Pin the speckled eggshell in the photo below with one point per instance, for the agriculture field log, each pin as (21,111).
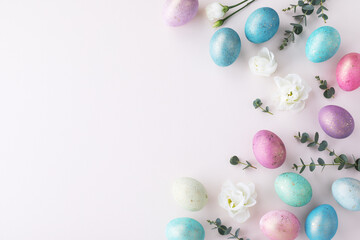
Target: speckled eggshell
(225,46)
(336,121)
(261,25)
(280,225)
(348,72)
(268,149)
(189,193)
(179,12)
(184,229)
(322,44)
(321,223)
(293,189)
(346,192)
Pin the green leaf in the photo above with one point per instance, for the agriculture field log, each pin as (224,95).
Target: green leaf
(319,10)
(298,29)
(357,164)
(316,138)
(222,230)
(295,167)
(312,144)
(341,166)
(332,153)
(301,3)
(257,103)
(324,16)
(237,232)
(218,221)
(302,169)
(308,7)
(302,162)
(337,160)
(234,160)
(304,138)
(323,145)
(321,162)
(343,158)
(312,166)
(228,231)
(315,2)
(323,86)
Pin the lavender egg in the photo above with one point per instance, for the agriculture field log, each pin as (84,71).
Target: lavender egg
(336,121)
(179,12)
(268,149)
(348,72)
(280,225)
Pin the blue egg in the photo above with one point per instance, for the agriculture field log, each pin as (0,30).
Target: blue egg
(262,25)
(322,44)
(321,223)
(225,46)
(184,229)
(346,192)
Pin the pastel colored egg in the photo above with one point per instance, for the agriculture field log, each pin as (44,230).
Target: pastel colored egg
(293,189)
(321,223)
(261,25)
(185,229)
(225,46)
(268,149)
(348,72)
(336,121)
(346,192)
(322,44)
(280,225)
(179,12)
(189,193)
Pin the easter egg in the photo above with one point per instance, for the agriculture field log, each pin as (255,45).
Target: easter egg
(184,229)
(261,25)
(179,12)
(321,223)
(225,46)
(268,149)
(322,44)
(346,192)
(280,225)
(293,189)
(348,72)
(189,193)
(336,121)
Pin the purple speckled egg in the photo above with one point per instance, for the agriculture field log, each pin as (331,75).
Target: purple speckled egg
(280,225)
(348,72)
(268,149)
(336,121)
(179,12)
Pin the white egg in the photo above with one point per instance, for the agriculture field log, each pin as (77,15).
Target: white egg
(189,193)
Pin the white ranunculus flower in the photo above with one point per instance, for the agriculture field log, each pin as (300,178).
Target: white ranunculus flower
(236,199)
(215,11)
(264,64)
(292,92)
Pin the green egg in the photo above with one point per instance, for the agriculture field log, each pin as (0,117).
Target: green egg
(293,189)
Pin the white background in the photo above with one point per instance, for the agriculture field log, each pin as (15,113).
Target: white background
(103,106)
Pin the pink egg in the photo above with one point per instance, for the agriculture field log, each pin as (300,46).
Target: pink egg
(179,12)
(280,225)
(268,149)
(348,72)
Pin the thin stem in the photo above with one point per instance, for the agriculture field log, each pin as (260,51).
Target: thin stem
(212,222)
(325,164)
(265,110)
(322,9)
(310,140)
(247,165)
(224,19)
(238,4)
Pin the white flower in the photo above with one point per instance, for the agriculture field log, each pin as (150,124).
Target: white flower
(236,199)
(215,11)
(292,92)
(263,64)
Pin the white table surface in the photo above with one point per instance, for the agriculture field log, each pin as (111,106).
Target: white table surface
(103,106)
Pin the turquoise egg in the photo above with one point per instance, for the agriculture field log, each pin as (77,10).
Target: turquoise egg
(262,25)
(346,192)
(225,47)
(322,44)
(321,223)
(293,189)
(184,229)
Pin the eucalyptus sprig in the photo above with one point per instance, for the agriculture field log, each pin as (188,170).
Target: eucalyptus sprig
(223,230)
(234,160)
(341,160)
(257,104)
(307,8)
(329,92)
(220,22)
